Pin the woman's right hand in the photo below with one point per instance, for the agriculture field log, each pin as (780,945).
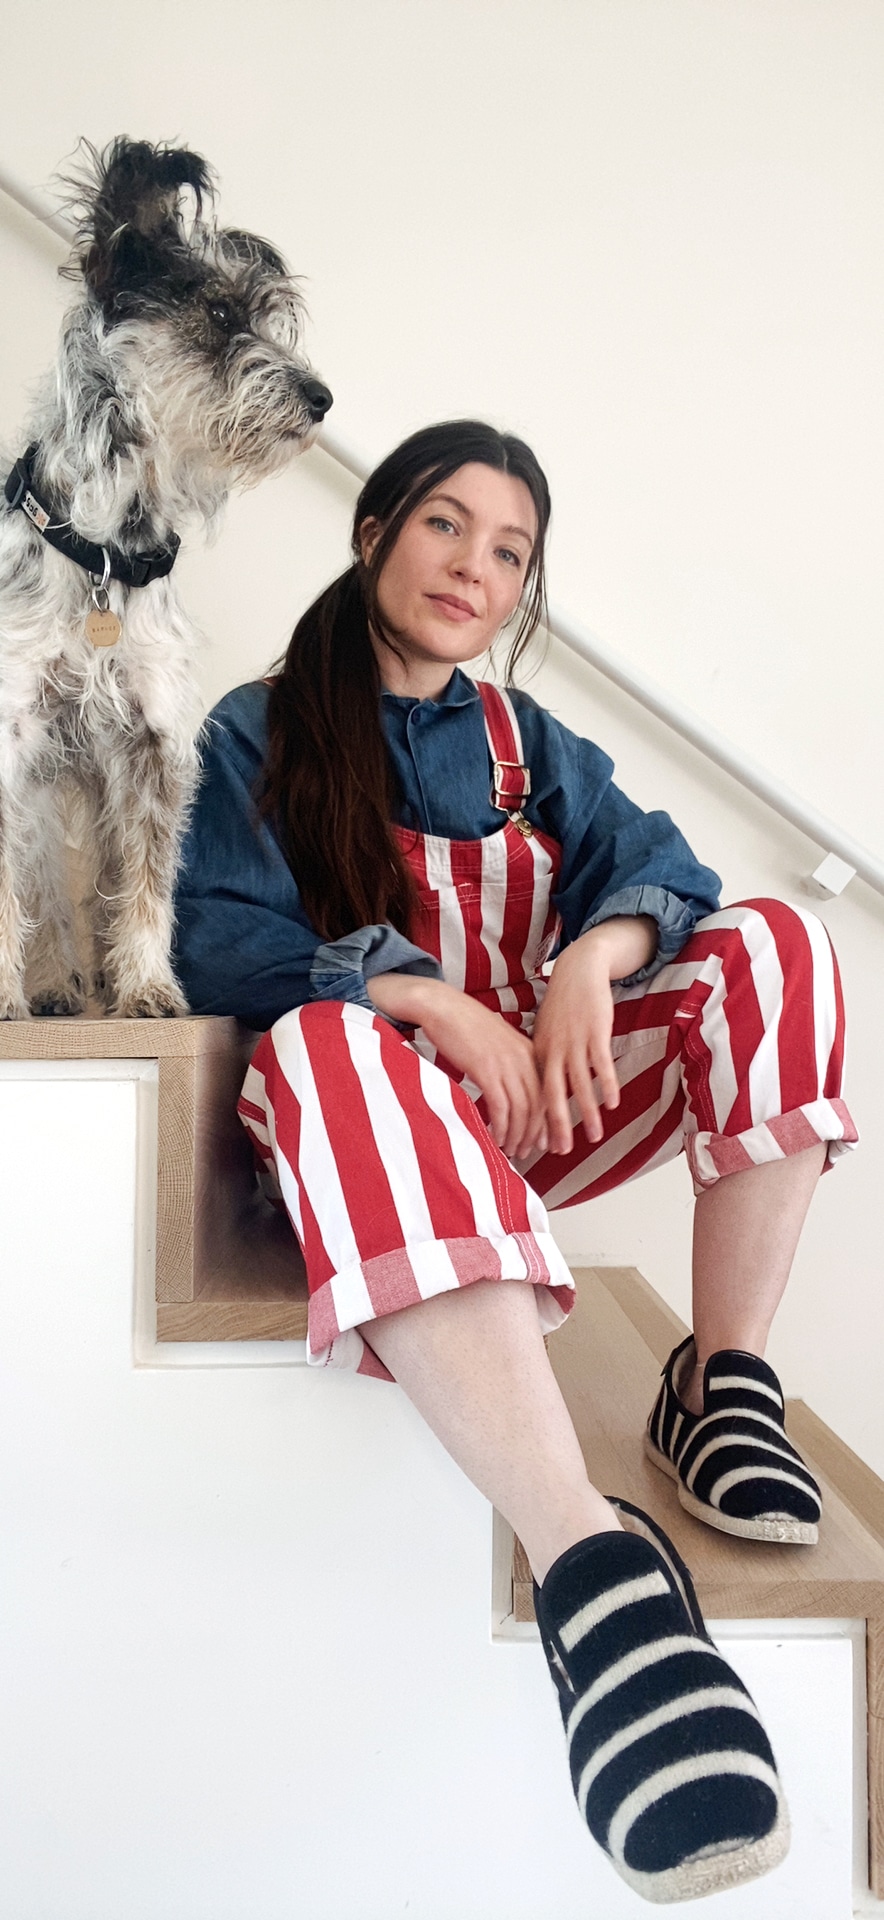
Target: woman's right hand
(485,1048)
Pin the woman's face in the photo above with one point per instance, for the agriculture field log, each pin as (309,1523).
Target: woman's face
(454,576)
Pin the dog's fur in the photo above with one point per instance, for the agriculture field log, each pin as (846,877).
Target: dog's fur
(179,375)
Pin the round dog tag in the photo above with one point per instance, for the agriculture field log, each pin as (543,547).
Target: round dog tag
(103,629)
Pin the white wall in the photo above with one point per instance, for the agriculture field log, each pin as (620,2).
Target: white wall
(648,237)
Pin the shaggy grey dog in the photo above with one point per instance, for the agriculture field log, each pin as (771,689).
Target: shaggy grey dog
(179,375)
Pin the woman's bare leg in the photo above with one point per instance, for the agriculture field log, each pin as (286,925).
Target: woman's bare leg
(746,1231)
(474,1364)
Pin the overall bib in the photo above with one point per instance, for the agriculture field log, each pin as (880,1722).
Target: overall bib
(379,1148)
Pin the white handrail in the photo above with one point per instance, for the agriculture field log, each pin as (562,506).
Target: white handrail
(845,856)
(35,203)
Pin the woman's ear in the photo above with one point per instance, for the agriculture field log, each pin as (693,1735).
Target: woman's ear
(370,531)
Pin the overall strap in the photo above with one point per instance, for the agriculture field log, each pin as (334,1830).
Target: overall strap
(510,778)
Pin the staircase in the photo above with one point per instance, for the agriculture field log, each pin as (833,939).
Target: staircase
(227,1269)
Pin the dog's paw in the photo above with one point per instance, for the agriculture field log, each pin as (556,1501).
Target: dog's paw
(155,1001)
(13,1007)
(60,1002)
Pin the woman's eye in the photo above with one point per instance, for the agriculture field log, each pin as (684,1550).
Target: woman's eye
(439,520)
(512,559)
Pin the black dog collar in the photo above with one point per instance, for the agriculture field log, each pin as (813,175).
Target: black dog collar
(131,569)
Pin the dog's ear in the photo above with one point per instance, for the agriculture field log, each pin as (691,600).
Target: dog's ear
(131,238)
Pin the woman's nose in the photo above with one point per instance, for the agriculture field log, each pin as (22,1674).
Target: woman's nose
(468,561)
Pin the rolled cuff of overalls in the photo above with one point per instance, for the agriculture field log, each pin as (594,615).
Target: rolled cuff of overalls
(675,919)
(763,1041)
(341,967)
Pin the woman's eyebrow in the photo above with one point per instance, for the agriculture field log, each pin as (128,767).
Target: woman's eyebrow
(468,514)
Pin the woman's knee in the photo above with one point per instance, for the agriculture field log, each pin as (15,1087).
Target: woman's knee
(778,966)
(762,928)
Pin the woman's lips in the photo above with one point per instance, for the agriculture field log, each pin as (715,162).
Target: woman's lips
(453,608)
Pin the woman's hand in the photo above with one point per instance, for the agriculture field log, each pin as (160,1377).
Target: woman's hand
(481,1045)
(572,1034)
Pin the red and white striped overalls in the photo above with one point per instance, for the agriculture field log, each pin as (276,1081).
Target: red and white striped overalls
(392,1182)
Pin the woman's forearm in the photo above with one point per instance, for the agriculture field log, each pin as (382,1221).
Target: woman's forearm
(404,996)
(627,942)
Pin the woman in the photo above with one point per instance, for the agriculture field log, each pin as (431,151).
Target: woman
(382,859)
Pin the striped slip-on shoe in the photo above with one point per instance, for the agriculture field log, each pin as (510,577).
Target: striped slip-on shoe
(671,1767)
(734,1467)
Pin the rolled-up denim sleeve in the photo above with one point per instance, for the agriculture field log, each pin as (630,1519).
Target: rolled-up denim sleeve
(341,967)
(675,924)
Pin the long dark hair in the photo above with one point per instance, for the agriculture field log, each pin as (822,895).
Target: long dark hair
(328,785)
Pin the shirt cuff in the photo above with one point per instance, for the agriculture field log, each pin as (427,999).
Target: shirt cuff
(341,967)
(675,923)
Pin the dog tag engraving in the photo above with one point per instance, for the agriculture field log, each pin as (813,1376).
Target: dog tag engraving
(103,629)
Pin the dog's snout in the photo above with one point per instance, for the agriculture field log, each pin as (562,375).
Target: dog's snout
(318,398)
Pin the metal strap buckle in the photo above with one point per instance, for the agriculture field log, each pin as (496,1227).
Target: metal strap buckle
(499,785)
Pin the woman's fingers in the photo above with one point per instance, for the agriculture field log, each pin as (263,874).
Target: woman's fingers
(605,1072)
(527,1113)
(497,1107)
(585,1094)
(513,1099)
(535,1135)
(558,1116)
(590,1076)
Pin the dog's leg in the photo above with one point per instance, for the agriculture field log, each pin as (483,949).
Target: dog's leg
(147,790)
(54,979)
(14,925)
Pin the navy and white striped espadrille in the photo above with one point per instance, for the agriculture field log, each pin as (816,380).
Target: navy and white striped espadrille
(671,1767)
(734,1467)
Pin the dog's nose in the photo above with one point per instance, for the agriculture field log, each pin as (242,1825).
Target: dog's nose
(318,398)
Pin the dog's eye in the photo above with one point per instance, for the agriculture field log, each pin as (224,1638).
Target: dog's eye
(222,315)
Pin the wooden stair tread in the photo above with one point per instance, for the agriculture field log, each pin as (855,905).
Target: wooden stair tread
(856,1482)
(609,1403)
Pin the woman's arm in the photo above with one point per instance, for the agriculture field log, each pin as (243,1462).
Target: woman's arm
(494,1055)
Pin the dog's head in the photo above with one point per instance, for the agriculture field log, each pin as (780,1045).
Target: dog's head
(198,326)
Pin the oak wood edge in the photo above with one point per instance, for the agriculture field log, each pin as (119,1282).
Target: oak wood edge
(875,1692)
(232,1320)
(176,1186)
(85,1038)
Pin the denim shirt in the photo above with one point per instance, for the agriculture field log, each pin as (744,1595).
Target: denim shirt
(243,943)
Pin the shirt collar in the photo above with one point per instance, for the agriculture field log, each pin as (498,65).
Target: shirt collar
(460,692)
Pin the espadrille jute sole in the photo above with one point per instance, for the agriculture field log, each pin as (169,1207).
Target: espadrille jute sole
(783,1528)
(714,1873)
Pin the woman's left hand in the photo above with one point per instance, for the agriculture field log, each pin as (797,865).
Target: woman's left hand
(572,1033)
